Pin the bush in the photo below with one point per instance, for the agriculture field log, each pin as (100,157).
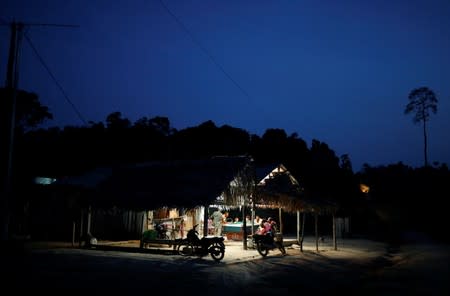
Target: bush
(149,234)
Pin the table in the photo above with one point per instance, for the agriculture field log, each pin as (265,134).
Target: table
(235,231)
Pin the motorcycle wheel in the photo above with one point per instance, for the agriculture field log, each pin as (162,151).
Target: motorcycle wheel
(217,251)
(185,249)
(263,251)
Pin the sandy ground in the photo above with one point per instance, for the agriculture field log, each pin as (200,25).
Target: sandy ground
(358,267)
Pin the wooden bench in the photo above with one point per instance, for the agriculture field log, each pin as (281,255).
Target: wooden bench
(146,243)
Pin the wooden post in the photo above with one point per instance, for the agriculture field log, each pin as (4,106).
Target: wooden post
(244,228)
(316,227)
(144,222)
(73,234)
(298,227)
(253,218)
(81,228)
(89,217)
(205,220)
(303,232)
(334,233)
(279,219)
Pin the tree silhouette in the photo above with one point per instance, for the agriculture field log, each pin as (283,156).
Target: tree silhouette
(346,163)
(29,112)
(115,121)
(421,101)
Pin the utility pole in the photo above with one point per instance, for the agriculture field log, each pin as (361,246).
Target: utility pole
(12,77)
(8,125)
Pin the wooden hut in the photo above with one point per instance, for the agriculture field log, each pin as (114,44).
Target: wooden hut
(172,190)
(168,190)
(280,189)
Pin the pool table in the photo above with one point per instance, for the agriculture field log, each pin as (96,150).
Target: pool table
(235,231)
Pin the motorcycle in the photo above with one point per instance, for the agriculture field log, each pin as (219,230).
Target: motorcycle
(266,242)
(193,245)
(162,231)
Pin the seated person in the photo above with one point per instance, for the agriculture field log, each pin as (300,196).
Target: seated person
(267,226)
(265,232)
(262,229)
(236,220)
(273,225)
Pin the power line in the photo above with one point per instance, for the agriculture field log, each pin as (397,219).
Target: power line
(5,23)
(51,25)
(54,79)
(188,32)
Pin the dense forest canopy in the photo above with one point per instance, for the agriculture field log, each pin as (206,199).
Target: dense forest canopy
(394,190)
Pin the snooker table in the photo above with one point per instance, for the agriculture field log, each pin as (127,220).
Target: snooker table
(235,231)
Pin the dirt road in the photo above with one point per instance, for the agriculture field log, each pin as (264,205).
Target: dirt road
(408,270)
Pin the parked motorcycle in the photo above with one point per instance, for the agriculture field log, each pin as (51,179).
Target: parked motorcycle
(193,245)
(162,231)
(266,242)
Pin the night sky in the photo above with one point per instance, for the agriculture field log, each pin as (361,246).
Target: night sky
(336,71)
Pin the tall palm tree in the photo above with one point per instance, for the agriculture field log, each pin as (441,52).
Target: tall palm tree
(421,101)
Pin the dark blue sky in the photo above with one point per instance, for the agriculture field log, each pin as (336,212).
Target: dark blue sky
(335,71)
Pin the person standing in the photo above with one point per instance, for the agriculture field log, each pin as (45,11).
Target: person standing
(217,222)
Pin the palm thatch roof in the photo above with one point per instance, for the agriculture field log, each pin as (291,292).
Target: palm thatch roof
(280,189)
(181,183)
(224,180)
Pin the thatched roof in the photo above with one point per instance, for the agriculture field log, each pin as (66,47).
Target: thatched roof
(181,183)
(279,189)
(227,181)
